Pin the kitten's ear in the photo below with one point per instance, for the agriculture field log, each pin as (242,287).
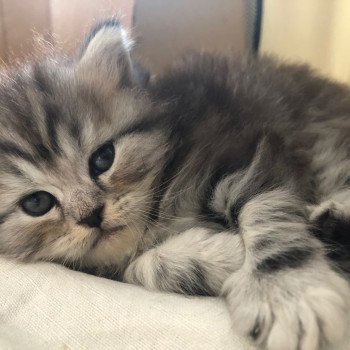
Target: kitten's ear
(105,54)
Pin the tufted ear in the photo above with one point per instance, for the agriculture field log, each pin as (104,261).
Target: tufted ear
(105,55)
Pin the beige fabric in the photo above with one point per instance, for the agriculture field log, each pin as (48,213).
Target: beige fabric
(44,306)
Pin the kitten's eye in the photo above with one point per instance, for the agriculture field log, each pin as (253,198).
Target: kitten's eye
(102,159)
(38,203)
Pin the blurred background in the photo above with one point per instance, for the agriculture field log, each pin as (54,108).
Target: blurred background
(313,31)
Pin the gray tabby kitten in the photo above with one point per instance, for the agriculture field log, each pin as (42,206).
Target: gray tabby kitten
(221,178)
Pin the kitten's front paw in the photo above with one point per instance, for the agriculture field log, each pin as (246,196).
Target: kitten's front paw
(141,271)
(293,311)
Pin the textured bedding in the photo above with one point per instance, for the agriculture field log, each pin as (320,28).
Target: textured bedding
(45,306)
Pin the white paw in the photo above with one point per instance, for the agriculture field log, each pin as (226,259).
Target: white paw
(297,310)
(141,270)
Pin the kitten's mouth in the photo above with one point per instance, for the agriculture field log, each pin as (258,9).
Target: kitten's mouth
(104,234)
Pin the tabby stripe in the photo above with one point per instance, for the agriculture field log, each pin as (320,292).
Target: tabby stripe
(40,81)
(4,216)
(25,126)
(44,153)
(139,127)
(291,258)
(12,150)
(74,129)
(51,119)
(191,280)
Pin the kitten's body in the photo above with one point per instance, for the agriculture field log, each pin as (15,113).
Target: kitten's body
(221,172)
(219,113)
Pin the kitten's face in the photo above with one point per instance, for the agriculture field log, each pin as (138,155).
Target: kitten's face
(76,176)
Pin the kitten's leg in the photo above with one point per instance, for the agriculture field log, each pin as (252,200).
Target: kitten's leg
(285,296)
(195,262)
(331,223)
(331,217)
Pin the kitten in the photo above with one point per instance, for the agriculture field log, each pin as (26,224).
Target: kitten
(210,181)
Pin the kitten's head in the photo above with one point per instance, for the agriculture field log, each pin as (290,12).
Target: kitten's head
(77,162)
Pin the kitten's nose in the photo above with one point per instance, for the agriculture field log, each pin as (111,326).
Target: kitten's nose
(94,219)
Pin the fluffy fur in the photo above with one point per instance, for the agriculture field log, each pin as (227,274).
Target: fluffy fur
(230,177)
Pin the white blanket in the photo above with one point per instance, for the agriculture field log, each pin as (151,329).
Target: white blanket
(45,306)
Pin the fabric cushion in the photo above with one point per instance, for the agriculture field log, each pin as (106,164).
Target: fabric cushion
(46,306)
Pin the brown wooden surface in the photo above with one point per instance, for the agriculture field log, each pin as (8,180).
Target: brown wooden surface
(72,18)
(22,21)
(62,22)
(2,37)
(164,29)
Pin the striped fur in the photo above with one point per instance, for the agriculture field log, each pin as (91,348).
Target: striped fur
(230,177)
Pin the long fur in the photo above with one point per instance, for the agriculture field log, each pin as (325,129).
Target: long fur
(230,178)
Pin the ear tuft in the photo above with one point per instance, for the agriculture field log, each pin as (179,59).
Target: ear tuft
(106,53)
(110,27)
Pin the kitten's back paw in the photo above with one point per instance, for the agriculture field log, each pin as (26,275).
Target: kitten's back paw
(299,312)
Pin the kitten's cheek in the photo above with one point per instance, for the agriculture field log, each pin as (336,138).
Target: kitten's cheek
(114,211)
(69,243)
